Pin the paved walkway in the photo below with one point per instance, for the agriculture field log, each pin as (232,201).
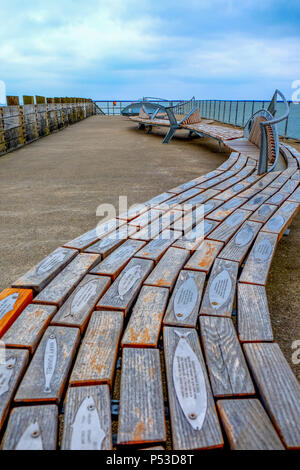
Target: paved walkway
(49,192)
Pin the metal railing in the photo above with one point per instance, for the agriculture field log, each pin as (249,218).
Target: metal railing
(114,107)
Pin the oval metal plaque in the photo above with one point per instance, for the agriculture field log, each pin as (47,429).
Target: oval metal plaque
(264,210)
(234,219)
(6,371)
(50,359)
(275,223)
(189,383)
(7,304)
(256,200)
(276,198)
(50,262)
(82,298)
(238,187)
(31,439)
(128,280)
(220,289)
(185,299)
(87,433)
(263,250)
(231,204)
(290,207)
(244,236)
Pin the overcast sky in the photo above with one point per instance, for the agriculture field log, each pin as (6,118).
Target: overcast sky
(125,49)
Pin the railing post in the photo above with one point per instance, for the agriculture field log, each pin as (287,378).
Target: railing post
(244,113)
(236,112)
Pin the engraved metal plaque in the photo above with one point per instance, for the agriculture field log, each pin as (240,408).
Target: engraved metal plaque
(276,199)
(189,383)
(185,299)
(220,289)
(275,223)
(290,207)
(264,210)
(6,372)
(244,236)
(231,204)
(256,200)
(128,280)
(31,439)
(82,298)
(50,359)
(237,187)
(263,250)
(7,304)
(87,433)
(234,219)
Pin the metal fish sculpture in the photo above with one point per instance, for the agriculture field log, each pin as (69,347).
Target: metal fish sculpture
(220,289)
(7,304)
(50,359)
(6,371)
(189,382)
(128,280)
(31,439)
(87,433)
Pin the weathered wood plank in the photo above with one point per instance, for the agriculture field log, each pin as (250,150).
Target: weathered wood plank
(216,181)
(230,161)
(47,373)
(135,211)
(166,271)
(189,220)
(256,201)
(159,245)
(226,209)
(87,419)
(228,371)
(12,366)
(279,222)
(96,359)
(46,270)
(90,237)
(113,264)
(254,323)
(183,308)
(295,197)
(32,428)
(194,421)
(259,261)
(279,389)
(237,248)
(77,309)
(238,177)
(202,197)
(239,188)
(145,320)
(125,288)
(110,242)
(220,290)
(227,229)
(29,327)
(12,303)
(278,198)
(151,231)
(142,417)
(263,213)
(247,425)
(204,257)
(146,218)
(179,199)
(192,240)
(65,282)
(261,184)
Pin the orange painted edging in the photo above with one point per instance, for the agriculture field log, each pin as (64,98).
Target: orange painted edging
(24,298)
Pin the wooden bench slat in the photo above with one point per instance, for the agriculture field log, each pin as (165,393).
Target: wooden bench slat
(146,318)
(228,371)
(247,425)
(32,428)
(258,263)
(46,270)
(87,419)
(220,290)
(96,359)
(295,196)
(254,323)
(123,291)
(194,421)
(133,212)
(29,327)
(12,303)
(65,282)
(48,370)
(238,177)
(90,237)
(12,366)
(226,208)
(230,161)
(166,271)
(238,189)
(227,229)
(152,230)
(204,257)
(192,240)
(142,416)
(183,307)
(110,242)
(179,199)
(77,309)
(147,218)
(279,389)
(237,248)
(281,219)
(263,213)
(113,264)
(158,246)
(203,197)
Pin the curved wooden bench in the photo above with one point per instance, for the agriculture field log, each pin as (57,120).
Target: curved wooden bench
(112,292)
